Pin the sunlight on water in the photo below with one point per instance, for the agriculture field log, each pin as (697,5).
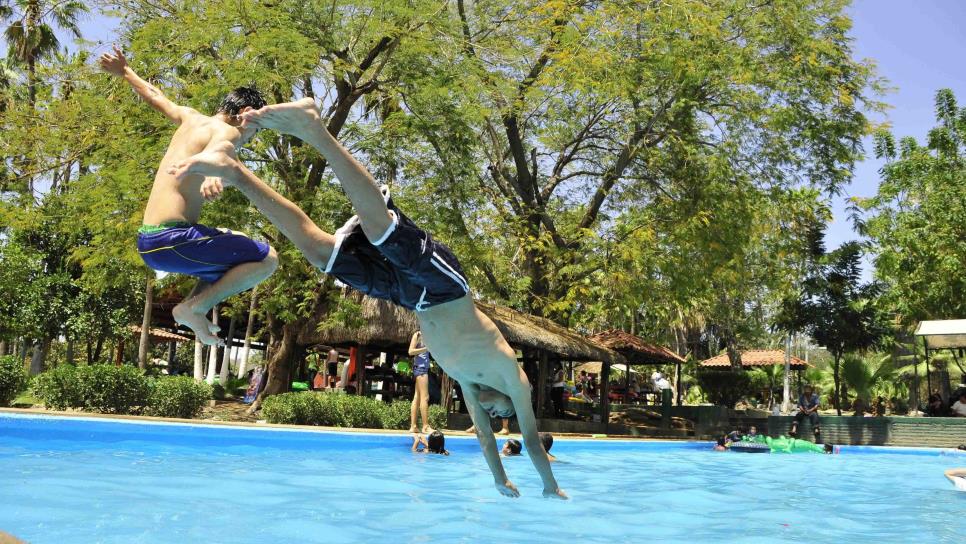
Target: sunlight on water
(69,481)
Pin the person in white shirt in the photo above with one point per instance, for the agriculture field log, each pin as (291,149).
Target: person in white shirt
(959,407)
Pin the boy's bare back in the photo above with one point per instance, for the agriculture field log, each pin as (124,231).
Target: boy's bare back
(172,199)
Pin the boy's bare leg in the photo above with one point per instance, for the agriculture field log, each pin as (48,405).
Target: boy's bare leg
(316,244)
(193,310)
(302,120)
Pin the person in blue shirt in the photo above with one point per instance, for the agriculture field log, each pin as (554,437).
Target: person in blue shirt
(807,408)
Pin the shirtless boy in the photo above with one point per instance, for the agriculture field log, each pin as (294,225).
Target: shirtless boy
(383,254)
(171,240)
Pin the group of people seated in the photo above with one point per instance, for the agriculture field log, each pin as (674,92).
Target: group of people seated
(935,407)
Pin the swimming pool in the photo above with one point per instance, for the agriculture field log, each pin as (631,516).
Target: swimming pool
(83,480)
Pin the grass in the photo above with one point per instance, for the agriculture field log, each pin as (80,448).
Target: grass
(25,400)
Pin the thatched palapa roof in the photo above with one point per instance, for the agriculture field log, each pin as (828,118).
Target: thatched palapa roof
(390,327)
(757,357)
(635,349)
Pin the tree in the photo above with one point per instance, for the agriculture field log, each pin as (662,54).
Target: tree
(30,36)
(837,310)
(916,221)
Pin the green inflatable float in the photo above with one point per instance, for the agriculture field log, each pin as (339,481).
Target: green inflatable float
(782,444)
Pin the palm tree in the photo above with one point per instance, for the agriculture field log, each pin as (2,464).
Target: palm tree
(30,37)
(867,374)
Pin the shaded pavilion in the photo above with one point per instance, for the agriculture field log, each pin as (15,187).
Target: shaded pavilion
(753,358)
(636,352)
(388,328)
(938,335)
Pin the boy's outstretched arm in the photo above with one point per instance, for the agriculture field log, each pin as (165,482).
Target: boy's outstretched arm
(519,393)
(484,433)
(116,65)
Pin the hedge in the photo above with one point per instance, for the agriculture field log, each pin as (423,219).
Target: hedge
(13,379)
(123,389)
(178,396)
(340,410)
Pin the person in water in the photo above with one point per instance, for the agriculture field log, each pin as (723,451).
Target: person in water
(435,443)
(958,477)
(170,239)
(383,254)
(513,447)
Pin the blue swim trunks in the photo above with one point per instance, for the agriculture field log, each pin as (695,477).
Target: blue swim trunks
(196,250)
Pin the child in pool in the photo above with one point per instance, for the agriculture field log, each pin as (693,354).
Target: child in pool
(170,240)
(436,443)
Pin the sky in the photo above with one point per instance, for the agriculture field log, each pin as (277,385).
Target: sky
(918,47)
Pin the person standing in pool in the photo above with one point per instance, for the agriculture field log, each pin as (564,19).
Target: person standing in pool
(420,355)
(171,240)
(383,254)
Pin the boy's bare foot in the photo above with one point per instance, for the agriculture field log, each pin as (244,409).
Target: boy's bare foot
(204,330)
(295,118)
(503,431)
(414,430)
(218,162)
(427,429)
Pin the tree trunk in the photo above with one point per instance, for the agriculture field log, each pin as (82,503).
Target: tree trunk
(3,347)
(213,352)
(70,352)
(199,373)
(836,398)
(280,366)
(226,360)
(98,348)
(39,355)
(23,349)
(143,346)
(248,335)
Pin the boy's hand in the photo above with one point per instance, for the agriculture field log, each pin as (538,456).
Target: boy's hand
(508,489)
(212,188)
(555,494)
(113,64)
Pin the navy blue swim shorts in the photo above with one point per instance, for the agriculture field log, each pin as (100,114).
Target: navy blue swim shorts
(405,265)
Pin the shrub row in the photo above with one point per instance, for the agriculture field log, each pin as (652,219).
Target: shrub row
(124,389)
(340,410)
(13,379)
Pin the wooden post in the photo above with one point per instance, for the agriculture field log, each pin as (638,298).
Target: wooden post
(627,382)
(361,356)
(543,373)
(172,354)
(928,375)
(677,382)
(604,394)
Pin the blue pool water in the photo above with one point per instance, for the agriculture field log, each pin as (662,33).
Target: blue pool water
(75,480)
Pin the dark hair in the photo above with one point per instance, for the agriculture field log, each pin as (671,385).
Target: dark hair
(829,448)
(547,440)
(722,441)
(241,98)
(515,446)
(436,443)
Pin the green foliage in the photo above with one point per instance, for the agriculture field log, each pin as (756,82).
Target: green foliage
(97,388)
(13,378)
(59,388)
(724,387)
(113,389)
(916,220)
(340,410)
(178,396)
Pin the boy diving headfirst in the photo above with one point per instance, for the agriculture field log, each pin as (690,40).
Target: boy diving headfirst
(225,262)
(382,253)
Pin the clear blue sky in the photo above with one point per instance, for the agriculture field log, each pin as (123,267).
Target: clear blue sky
(918,46)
